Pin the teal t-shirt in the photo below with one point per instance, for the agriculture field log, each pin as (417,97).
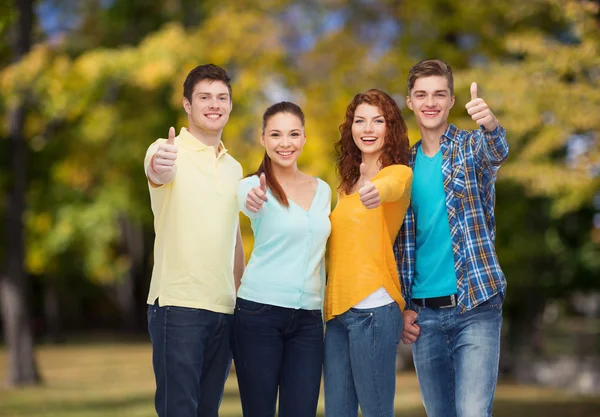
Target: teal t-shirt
(434,272)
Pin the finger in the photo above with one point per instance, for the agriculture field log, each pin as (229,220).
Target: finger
(258,192)
(251,208)
(254,199)
(263,183)
(484,121)
(482,107)
(168,148)
(166,155)
(171,140)
(474,103)
(164,162)
(473,91)
(363,174)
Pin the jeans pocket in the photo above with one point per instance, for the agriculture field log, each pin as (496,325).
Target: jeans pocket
(251,307)
(316,313)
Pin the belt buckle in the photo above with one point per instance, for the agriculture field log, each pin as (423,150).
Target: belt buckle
(452,301)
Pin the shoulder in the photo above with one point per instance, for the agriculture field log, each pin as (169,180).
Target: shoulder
(232,162)
(324,186)
(251,181)
(398,171)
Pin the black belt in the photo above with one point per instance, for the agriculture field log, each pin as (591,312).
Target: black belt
(446,301)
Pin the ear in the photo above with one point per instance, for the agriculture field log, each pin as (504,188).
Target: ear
(452,102)
(262,139)
(409,103)
(187,106)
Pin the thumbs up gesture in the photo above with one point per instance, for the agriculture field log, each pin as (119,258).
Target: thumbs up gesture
(369,195)
(257,196)
(480,112)
(166,155)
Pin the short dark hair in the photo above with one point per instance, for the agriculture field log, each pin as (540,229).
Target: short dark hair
(205,72)
(430,68)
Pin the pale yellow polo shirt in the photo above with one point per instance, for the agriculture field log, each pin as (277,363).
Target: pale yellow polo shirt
(195,221)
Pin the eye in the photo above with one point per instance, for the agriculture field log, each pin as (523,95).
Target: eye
(295,134)
(358,121)
(441,95)
(274,135)
(224,98)
(380,121)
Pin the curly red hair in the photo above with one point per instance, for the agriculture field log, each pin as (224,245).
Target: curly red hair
(395,146)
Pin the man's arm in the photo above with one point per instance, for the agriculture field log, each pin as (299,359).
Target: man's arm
(489,144)
(239,261)
(161,166)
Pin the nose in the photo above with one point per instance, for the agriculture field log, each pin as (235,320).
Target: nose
(214,103)
(369,127)
(285,141)
(429,101)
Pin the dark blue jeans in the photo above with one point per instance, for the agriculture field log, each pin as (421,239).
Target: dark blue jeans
(456,357)
(277,349)
(191,357)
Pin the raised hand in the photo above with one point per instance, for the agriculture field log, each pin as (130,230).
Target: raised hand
(480,112)
(369,195)
(257,196)
(166,156)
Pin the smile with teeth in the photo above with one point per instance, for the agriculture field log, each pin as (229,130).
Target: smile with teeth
(431,113)
(285,153)
(369,139)
(213,116)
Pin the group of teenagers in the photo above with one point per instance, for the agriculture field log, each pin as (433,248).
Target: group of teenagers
(411,258)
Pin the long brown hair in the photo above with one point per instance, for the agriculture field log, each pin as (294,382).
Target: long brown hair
(395,146)
(266,164)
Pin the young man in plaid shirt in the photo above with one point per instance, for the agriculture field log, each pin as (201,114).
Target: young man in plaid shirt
(451,279)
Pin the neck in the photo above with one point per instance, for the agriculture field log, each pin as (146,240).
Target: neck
(371,160)
(208,138)
(285,174)
(431,139)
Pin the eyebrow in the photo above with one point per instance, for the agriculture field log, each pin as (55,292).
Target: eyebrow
(210,94)
(361,117)
(279,131)
(436,91)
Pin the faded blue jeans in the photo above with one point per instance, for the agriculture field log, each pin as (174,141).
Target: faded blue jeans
(191,358)
(456,357)
(360,362)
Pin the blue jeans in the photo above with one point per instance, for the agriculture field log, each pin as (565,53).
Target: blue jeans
(456,357)
(191,358)
(277,349)
(360,362)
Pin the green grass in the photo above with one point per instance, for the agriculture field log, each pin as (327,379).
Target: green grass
(104,380)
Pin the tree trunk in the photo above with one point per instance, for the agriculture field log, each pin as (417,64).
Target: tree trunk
(14,283)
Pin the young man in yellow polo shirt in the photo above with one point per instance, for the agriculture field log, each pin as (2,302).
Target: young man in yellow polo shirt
(198,256)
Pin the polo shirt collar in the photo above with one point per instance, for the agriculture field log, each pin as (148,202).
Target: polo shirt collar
(189,141)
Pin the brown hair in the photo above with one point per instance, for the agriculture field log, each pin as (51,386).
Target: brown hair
(430,68)
(265,166)
(395,146)
(205,72)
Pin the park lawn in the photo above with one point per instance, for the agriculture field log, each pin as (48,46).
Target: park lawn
(116,379)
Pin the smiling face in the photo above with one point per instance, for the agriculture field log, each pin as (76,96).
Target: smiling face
(369,129)
(208,112)
(431,101)
(283,139)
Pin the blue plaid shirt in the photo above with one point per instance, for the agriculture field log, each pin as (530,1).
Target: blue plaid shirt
(470,163)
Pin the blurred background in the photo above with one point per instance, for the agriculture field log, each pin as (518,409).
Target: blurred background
(87,85)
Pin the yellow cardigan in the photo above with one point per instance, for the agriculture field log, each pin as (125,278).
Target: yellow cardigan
(361,255)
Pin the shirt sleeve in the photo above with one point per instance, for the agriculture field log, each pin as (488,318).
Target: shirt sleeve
(244,187)
(393,182)
(490,148)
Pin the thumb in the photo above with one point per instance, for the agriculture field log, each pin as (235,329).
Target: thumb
(363,174)
(473,91)
(263,183)
(171,140)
